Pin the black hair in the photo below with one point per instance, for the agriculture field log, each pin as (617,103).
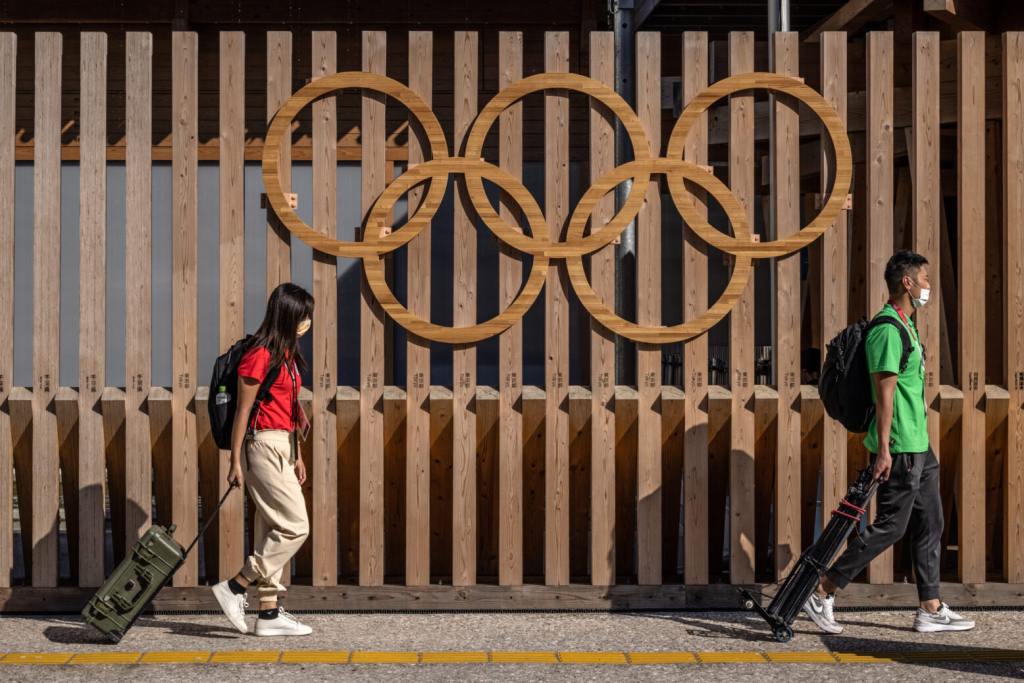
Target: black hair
(902,263)
(288,305)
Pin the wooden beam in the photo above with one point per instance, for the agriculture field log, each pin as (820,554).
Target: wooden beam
(961,15)
(8,56)
(510,343)
(741,329)
(850,17)
(279,89)
(602,342)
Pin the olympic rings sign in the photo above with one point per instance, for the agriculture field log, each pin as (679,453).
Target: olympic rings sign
(376,244)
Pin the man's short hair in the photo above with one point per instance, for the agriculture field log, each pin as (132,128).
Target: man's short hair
(903,262)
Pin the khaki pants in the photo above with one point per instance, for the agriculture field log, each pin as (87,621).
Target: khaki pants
(281,524)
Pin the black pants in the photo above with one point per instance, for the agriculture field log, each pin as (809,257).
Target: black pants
(908,500)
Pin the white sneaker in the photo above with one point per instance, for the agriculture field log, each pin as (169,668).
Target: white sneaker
(284,625)
(943,620)
(233,605)
(820,611)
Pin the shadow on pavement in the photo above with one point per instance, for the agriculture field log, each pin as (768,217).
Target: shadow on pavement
(75,631)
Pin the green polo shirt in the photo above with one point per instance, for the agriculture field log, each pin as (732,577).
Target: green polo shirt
(884,347)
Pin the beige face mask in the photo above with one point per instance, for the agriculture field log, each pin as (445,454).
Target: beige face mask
(304,327)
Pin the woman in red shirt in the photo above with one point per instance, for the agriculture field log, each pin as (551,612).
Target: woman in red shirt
(265,457)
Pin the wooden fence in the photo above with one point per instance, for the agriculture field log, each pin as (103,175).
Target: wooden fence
(559,496)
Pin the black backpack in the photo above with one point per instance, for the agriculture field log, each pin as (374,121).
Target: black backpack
(222,402)
(845,385)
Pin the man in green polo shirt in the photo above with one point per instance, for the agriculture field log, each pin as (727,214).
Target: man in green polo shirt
(907,497)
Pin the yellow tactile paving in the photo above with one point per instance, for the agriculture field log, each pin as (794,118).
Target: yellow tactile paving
(505,657)
(524,658)
(315,656)
(106,658)
(175,657)
(245,657)
(731,658)
(592,657)
(454,657)
(662,658)
(36,658)
(801,657)
(376,657)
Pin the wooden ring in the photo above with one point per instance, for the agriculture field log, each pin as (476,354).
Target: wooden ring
(281,126)
(742,268)
(373,262)
(537,83)
(833,125)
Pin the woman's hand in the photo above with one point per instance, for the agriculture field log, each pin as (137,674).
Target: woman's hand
(300,470)
(235,477)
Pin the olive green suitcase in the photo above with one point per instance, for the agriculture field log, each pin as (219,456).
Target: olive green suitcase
(136,581)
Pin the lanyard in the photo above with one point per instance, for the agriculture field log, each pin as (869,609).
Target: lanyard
(903,317)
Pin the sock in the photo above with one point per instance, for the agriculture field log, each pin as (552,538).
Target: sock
(236,588)
(268,613)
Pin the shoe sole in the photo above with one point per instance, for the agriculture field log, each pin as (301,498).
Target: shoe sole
(280,632)
(222,600)
(935,628)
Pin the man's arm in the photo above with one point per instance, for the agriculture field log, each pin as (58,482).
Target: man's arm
(885,388)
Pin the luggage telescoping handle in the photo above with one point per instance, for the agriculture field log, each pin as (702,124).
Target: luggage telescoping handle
(210,518)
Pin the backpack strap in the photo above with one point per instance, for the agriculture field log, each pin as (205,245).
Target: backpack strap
(904,336)
(262,394)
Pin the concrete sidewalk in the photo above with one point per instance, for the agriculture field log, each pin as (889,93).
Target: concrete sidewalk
(594,646)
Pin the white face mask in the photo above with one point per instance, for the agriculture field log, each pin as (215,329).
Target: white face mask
(304,327)
(923,299)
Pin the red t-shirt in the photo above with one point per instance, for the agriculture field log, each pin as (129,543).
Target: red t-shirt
(276,413)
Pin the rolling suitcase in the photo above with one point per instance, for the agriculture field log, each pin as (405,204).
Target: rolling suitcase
(146,569)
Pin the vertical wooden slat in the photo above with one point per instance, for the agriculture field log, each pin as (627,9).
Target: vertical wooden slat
(184,302)
(695,363)
(834,271)
(138,283)
(648,307)
(1013,263)
(92,306)
(371,328)
(602,342)
(230,522)
(880,203)
(279,89)
(927,211)
(463,314)
(510,343)
(787,302)
(741,328)
(8,54)
(417,418)
(46,307)
(324,522)
(971,252)
(556,321)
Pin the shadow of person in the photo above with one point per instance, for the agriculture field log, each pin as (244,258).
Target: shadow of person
(75,631)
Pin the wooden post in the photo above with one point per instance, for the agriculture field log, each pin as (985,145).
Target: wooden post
(510,343)
(184,461)
(880,202)
(1013,348)
(324,520)
(602,342)
(834,272)
(417,417)
(8,55)
(463,314)
(741,328)
(279,89)
(971,314)
(138,251)
(787,302)
(371,329)
(92,307)
(556,322)
(648,306)
(230,520)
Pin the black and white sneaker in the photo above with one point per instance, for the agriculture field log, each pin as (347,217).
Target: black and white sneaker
(820,611)
(943,620)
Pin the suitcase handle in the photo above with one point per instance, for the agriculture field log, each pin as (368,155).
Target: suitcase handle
(210,518)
